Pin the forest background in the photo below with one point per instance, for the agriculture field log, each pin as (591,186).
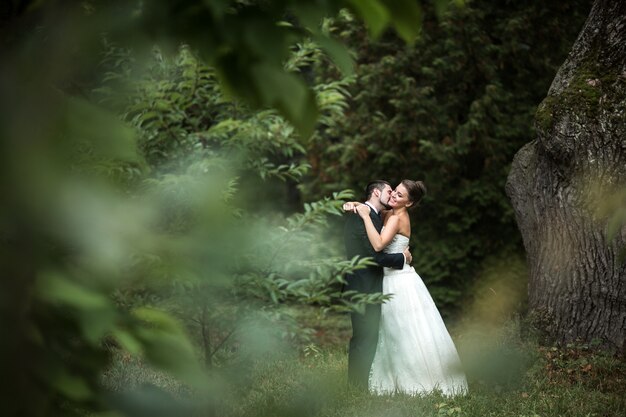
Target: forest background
(153,211)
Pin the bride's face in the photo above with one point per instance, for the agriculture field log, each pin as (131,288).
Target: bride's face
(399,197)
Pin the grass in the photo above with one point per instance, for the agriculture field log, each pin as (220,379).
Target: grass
(508,376)
(315,386)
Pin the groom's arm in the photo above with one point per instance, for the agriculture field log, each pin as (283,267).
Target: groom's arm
(356,228)
(390,260)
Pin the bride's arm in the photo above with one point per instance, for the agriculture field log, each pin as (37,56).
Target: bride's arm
(352,205)
(378,240)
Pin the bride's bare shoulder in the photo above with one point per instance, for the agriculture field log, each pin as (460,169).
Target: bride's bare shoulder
(391,219)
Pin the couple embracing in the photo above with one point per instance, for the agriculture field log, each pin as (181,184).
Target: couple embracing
(401,346)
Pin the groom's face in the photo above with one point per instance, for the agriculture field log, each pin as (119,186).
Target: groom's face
(385,194)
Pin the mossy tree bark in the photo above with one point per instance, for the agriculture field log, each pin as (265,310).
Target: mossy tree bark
(577,283)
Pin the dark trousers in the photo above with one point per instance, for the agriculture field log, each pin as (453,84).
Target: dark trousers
(363,345)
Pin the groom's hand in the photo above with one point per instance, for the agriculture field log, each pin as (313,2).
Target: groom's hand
(407,256)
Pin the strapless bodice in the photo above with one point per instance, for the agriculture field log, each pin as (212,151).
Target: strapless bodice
(397,244)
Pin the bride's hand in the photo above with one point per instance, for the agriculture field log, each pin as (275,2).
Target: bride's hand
(407,255)
(351,206)
(363,210)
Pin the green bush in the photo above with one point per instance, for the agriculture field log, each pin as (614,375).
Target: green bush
(451,110)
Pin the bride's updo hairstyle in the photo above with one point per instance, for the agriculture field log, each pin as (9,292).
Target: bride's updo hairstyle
(416,190)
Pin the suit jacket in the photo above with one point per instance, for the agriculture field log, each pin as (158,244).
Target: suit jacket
(370,279)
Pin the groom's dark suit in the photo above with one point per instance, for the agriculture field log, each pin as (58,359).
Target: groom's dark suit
(369,280)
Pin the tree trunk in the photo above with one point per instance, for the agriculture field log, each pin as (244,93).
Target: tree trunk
(577,283)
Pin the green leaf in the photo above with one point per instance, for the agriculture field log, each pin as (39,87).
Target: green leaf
(95,324)
(157,318)
(310,15)
(441,6)
(128,341)
(85,122)
(338,52)
(374,13)
(54,287)
(166,345)
(406,16)
(174,353)
(288,94)
(149,116)
(71,386)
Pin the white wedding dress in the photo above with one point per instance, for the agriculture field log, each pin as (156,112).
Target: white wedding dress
(415,354)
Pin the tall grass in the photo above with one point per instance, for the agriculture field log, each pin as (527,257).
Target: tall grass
(508,376)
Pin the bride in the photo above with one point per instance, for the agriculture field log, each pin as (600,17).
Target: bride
(415,354)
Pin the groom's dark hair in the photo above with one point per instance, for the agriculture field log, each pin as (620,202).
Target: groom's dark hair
(375,185)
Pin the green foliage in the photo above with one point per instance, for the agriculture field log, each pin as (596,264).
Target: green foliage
(451,110)
(294,263)
(216,132)
(68,239)
(179,110)
(548,381)
(125,234)
(246,42)
(189,141)
(94,207)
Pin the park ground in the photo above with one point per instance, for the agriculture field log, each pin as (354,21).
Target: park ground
(509,374)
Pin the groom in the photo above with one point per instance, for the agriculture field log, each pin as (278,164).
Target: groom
(368,280)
